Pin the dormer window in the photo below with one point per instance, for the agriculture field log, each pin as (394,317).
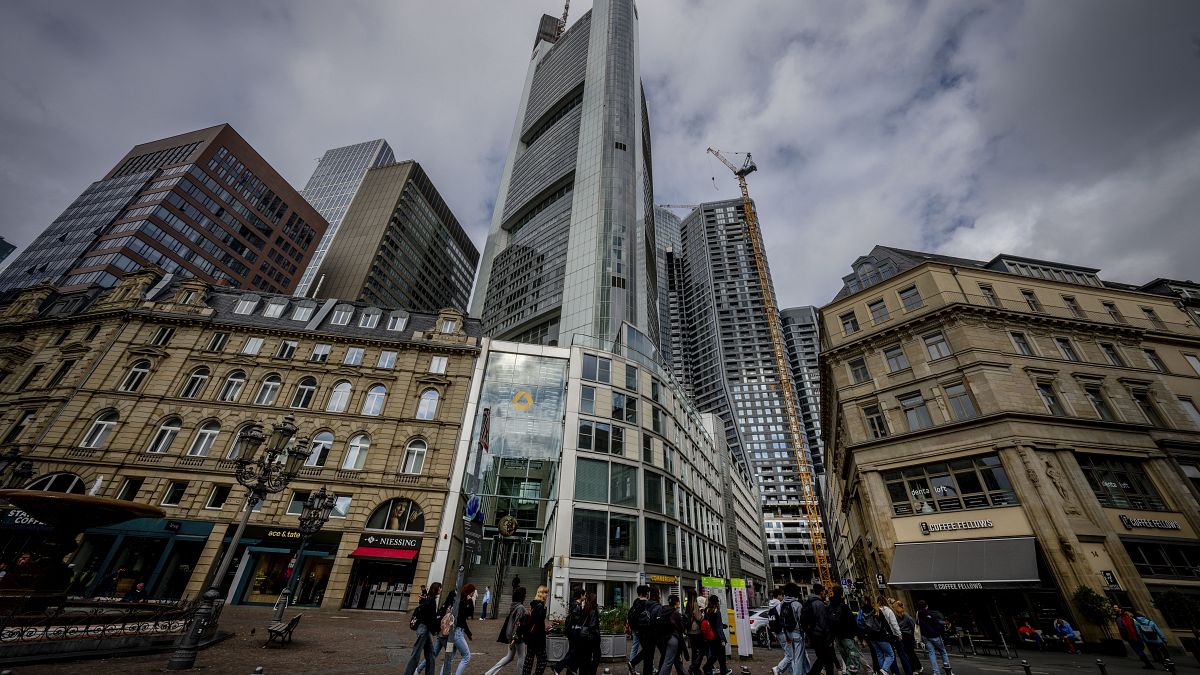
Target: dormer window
(187,297)
(275,309)
(302,312)
(341,315)
(397,321)
(246,304)
(448,325)
(369,319)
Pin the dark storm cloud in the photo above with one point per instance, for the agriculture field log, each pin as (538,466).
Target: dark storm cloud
(1064,129)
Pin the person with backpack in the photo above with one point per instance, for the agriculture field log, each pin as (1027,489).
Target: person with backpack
(775,628)
(792,636)
(1154,638)
(873,624)
(712,628)
(675,641)
(509,633)
(814,621)
(907,649)
(427,624)
(933,633)
(445,626)
(574,619)
(635,611)
(645,626)
(845,629)
(532,632)
(1129,633)
(695,616)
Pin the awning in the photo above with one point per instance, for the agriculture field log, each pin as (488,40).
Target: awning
(963,565)
(388,553)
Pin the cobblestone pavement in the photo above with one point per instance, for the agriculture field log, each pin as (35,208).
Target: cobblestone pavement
(330,642)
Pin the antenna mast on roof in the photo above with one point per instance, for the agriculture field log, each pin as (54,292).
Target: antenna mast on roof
(562,24)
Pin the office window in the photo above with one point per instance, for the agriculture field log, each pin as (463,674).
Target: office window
(437,365)
(936,346)
(57,378)
(1189,407)
(1155,362)
(387,359)
(252,346)
(1114,312)
(1152,317)
(354,356)
(1021,343)
(232,389)
(368,320)
(306,390)
(162,336)
(876,422)
(205,437)
(414,456)
(339,397)
(652,489)
(246,305)
(1050,398)
(1032,301)
(1111,354)
(396,322)
(916,413)
(1095,396)
(275,309)
(587,400)
(1066,349)
(624,407)
(957,485)
(647,448)
(622,537)
(1120,483)
(302,312)
(174,493)
(356,452)
(1146,404)
(165,436)
(322,443)
(589,534)
(287,349)
(989,295)
(896,360)
(373,403)
(134,378)
(858,370)
(1073,305)
(597,369)
(631,378)
(341,315)
(591,481)
(217,342)
(427,408)
(879,311)
(269,390)
(911,299)
(849,323)
(1193,361)
(961,405)
(320,353)
(130,488)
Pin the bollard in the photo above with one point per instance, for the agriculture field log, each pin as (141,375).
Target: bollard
(259,671)
(1025,665)
(745,670)
(1102,667)
(1169,665)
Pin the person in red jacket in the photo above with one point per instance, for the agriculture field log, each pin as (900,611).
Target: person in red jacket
(1129,633)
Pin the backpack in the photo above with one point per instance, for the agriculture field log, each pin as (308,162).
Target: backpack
(447,622)
(791,622)
(662,621)
(842,620)
(774,624)
(872,626)
(647,616)
(637,615)
(1146,630)
(706,631)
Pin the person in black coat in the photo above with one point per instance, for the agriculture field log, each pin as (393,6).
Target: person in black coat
(574,617)
(533,633)
(675,646)
(428,626)
(716,646)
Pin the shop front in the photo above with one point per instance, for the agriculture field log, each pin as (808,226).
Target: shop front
(157,552)
(266,561)
(382,575)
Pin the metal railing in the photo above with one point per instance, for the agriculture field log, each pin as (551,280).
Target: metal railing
(98,620)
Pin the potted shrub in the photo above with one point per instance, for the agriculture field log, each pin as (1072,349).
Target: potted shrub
(1097,609)
(612,632)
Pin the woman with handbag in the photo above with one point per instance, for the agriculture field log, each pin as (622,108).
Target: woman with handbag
(712,629)
(533,633)
(509,633)
(425,622)
(588,657)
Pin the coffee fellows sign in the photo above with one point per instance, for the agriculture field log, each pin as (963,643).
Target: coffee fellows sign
(928,528)
(1148,523)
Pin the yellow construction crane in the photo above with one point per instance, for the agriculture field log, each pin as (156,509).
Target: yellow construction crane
(783,371)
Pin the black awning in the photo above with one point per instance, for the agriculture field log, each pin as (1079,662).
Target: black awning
(1010,562)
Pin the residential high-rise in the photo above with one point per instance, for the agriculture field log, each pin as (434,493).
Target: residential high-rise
(571,249)
(332,186)
(666,230)
(801,332)
(399,245)
(201,204)
(722,345)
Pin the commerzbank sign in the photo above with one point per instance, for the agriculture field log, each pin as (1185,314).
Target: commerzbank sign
(929,528)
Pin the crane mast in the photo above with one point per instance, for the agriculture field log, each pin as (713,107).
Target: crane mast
(783,372)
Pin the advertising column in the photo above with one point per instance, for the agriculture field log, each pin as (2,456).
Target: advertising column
(716,586)
(741,617)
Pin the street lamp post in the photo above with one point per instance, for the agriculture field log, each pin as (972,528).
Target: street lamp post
(317,509)
(18,470)
(261,475)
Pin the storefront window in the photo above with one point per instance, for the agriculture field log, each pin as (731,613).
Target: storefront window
(971,483)
(1120,483)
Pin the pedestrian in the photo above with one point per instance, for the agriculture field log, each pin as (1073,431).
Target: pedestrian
(574,616)
(589,636)
(874,626)
(714,635)
(933,632)
(1067,633)
(814,621)
(487,599)
(695,616)
(462,630)
(675,643)
(445,631)
(789,617)
(635,611)
(908,638)
(845,629)
(892,623)
(509,633)
(1152,635)
(643,625)
(136,594)
(428,625)
(1031,634)
(1129,633)
(533,633)
(775,627)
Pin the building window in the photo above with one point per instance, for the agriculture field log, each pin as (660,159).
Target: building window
(14,433)
(92,333)
(911,299)
(37,370)
(1166,560)
(1066,348)
(165,436)
(414,456)
(1193,361)
(961,405)
(354,356)
(652,489)
(1189,407)
(396,322)
(427,408)
(623,481)
(356,452)
(1114,312)
(601,437)
(1111,354)
(989,295)
(205,437)
(341,315)
(339,397)
(322,443)
(879,311)
(399,514)
(341,506)
(896,360)
(1021,343)
(437,365)
(1155,362)
(268,391)
(916,413)
(246,305)
(656,553)
(631,378)
(287,349)
(162,336)
(217,342)
(368,320)
(1095,396)
(448,325)
(232,389)
(1146,404)
(130,489)
(296,505)
(1120,483)
(252,346)
(849,323)
(373,403)
(1072,305)
(597,369)
(858,370)
(58,482)
(100,430)
(320,353)
(1050,398)
(587,400)
(591,481)
(195,383)
(133,378)
(218,497)
(57,378)
(275,309)
(1031,299)
(876,422)
(387,359)
(624,407)
(647,448)
(1152,317)
(302,312)
(305,392)
(936,346)
(589,534)
(969,483)
(174,493)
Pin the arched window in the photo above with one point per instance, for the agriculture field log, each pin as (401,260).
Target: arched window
(235,448)
(269,390)
(135,376)
(305,391)
(322,443)
(165,436)
(356,452)
(232,389)
(427,409)
(414,456)
(195,383)
(339,398)
(205,437)
(398,514)
(101,429)
(58,482)
(373,403)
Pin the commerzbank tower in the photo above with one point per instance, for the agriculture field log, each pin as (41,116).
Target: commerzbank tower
(571,250)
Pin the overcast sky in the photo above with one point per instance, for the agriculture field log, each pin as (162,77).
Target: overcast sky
(1066,130)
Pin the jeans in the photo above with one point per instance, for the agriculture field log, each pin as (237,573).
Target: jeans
(884,654)
(935,646)
(849,650)
(439,644)
(823,648)
(635,647)
(645,654)
(671,655)
(422,649)
(785,664)
(799,655)
(515,653)
(716,652)
(460,642)
(696,642)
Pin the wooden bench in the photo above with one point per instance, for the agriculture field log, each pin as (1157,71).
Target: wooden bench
(282,631)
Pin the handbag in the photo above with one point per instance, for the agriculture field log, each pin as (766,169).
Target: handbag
(414,622)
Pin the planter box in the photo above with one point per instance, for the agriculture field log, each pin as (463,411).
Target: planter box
(613,646)
(556,648)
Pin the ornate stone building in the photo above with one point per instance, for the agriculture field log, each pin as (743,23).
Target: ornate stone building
(1013,425)
(138,392)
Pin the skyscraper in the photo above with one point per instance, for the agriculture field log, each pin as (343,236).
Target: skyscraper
(399,245)
(201,204)
(723,348)
(801,333)
(666,230)
(571,249)
(332,186)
